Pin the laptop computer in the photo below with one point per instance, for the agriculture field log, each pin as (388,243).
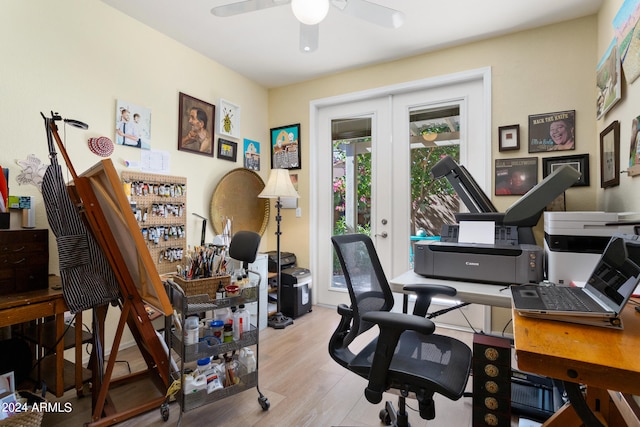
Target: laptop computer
(600,301)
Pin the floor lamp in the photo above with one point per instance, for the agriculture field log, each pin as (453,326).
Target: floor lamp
(279,185)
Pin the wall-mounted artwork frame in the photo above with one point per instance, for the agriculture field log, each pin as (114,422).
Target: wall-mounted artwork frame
(610,155)
(515,176)
(251,154)
(228,119)
(285,147)
(195,125)
(579,162)
(227,150)
(552,131)
(509,138)
(608,80)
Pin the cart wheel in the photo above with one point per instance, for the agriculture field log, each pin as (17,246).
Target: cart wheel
(384,417)
(264,402)
(164,411)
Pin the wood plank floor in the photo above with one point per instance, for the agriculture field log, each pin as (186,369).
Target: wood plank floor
(305,387)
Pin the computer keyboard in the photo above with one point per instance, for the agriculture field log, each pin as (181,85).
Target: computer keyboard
(567,299)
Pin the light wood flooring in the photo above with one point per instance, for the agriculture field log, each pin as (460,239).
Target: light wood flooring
(305,387)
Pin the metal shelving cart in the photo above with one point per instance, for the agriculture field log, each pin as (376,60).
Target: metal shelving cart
(189,305)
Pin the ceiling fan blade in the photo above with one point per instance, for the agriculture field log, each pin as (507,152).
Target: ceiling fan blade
(371,12)
(309,35)
(245,6)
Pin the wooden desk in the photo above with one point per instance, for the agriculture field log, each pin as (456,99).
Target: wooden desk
(33,305)
(476,293)
(601,358)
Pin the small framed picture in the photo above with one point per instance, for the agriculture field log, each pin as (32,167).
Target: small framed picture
(509,138)
(228,119)
(579,162)
(285,147)
(516,176)
(195,125)
(227,150)
(251,154)
(610,155)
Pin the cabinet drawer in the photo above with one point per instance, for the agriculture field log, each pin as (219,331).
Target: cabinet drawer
(24,260)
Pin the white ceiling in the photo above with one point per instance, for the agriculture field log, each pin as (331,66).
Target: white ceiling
(263,45)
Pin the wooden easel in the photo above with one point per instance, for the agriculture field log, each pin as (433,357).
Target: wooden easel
(105,209)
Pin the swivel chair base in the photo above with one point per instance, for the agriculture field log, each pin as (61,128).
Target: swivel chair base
(279,321)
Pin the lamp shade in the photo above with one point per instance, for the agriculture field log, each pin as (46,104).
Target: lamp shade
(279,185)
(310,12)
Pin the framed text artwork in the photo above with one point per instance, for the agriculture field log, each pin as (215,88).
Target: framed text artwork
(579,162)
(509,138)
(227,150)
(285,147)
(610,155)
(195,125)
(228,119)
(552,131)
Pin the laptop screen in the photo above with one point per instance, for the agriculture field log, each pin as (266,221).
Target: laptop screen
(618,271)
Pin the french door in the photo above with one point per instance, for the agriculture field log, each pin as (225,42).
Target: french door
(375,173)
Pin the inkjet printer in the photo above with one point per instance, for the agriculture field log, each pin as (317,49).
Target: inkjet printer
(514,256)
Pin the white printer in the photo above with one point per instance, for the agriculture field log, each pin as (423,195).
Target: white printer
(574,241)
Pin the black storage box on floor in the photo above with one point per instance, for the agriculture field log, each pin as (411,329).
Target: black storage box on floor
(295,292)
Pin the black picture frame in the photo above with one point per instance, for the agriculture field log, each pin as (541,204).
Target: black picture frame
(205,114)
(515,176)
(610,155)
(580,162)
(543,138)
(509,138)
(285,147)
(227,150)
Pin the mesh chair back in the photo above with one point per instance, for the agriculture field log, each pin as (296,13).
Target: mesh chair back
(365,279)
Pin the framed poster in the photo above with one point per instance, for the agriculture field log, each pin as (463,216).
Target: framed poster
(251,154)
(285,147)
(516,176)
(579,162)
(552,131)
(509,138)
(195,125)
(133,125)
(610,155)
(229,119)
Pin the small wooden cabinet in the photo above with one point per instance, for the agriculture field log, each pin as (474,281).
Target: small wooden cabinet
(24,260)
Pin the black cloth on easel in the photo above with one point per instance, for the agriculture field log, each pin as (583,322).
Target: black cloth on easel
(87,278)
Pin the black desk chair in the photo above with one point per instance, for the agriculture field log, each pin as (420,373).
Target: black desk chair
(406,356)
(244,247)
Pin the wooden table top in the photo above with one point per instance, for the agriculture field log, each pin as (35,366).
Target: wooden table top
(600,357)
(54,291)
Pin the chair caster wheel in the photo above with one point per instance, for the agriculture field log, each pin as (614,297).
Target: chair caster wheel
(164,411)
(385,418)
(264,403)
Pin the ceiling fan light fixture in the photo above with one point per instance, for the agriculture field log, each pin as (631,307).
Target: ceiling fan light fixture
(310,12)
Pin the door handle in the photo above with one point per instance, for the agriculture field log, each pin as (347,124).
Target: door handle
(383,235)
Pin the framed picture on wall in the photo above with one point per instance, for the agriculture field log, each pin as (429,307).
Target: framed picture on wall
(516,176)
(552,131)
(509,138)
(285,147)
(227,150)
(579,162)
(229,119)
(195,125)
(610,155)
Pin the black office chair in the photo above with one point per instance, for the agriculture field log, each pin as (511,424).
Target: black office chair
(406,356)
(244,247)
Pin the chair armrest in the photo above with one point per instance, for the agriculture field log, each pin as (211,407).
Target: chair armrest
(391,325)
(425,292)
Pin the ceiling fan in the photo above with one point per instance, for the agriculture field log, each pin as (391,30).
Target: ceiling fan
(311,12)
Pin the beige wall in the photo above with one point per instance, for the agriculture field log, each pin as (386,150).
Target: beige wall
(77,57)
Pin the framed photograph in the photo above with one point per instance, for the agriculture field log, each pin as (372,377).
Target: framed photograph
(608,77)
(610,155)
(133,125)
(552,131)
(228,119)
(579,162)
(251,154)
(227,150)
(516,176)
(195,125)
(285,147)
(509,138)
